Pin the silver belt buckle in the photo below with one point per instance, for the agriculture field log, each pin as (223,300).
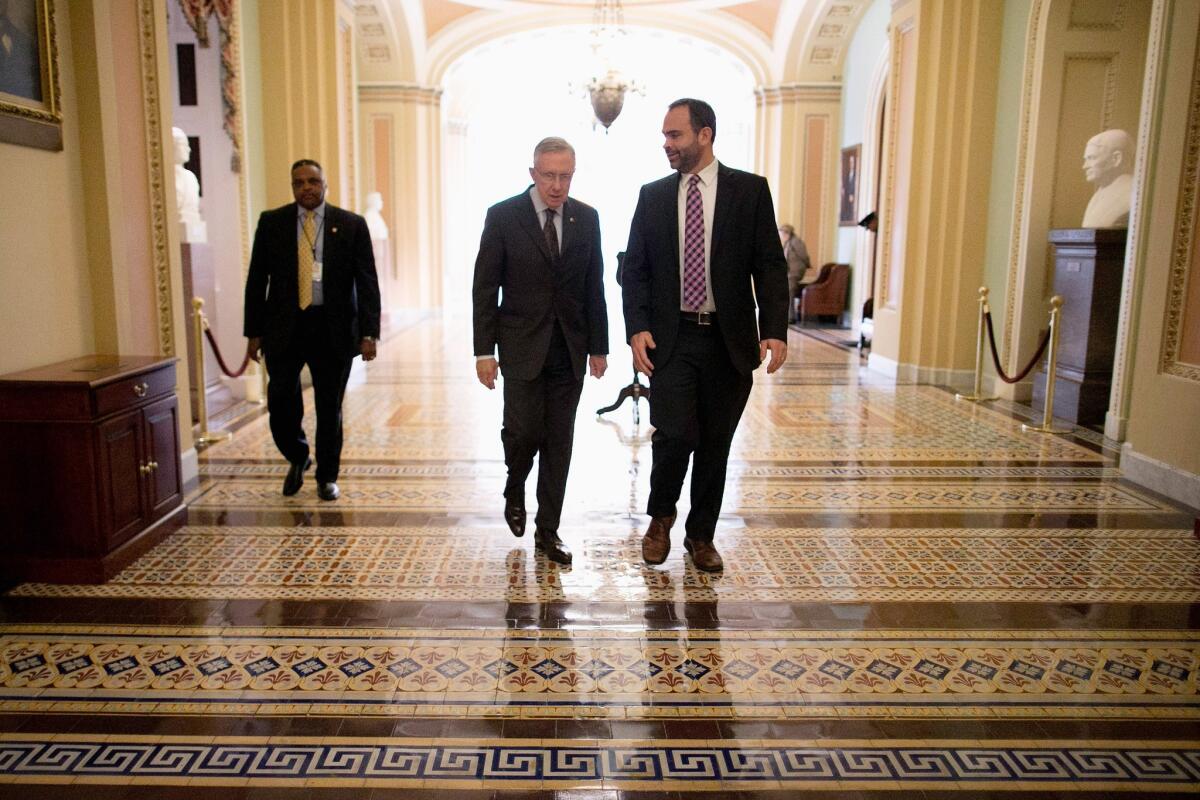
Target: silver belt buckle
(704,317)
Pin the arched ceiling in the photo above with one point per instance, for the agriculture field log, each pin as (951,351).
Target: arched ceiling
(781,41)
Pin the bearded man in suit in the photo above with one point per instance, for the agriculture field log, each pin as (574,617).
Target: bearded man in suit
(703,249)
(538,297)
(312,297)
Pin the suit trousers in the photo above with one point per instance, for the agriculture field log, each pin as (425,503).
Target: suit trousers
(330,369)
(539,419)
(696,401)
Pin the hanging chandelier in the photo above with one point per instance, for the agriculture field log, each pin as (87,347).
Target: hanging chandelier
(607,94)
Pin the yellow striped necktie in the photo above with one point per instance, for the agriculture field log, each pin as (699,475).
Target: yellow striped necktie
(304,260)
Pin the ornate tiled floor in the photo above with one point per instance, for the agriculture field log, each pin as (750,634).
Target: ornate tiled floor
(920,599)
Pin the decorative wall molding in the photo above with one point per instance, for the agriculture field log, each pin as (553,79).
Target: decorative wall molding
(402,92)
(1136,242)
(1009,345)
(888,196)
(156,174)
(798,92)
(1183,244)
(1118,9)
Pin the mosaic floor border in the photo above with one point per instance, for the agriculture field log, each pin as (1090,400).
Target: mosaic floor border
(764,564)
(620,764)
(507,673)
(745,496)
(277,468)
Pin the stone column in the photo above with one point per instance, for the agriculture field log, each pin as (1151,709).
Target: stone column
(797,150)
(936,175)
(401,126)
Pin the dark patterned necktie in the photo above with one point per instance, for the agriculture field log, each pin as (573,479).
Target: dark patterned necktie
(551,235)
(695,288)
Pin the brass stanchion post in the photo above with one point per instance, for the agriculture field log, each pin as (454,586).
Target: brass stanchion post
(1047,425)
(977,395)
(206,436)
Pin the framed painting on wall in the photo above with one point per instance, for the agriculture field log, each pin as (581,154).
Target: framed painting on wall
(848,196)
(29,94)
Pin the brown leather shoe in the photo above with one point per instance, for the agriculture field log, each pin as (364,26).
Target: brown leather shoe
(656,544)
(704,555)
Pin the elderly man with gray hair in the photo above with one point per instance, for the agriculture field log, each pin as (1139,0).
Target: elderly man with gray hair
(538,298)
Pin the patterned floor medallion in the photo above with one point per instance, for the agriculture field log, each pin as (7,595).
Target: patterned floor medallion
(918,596)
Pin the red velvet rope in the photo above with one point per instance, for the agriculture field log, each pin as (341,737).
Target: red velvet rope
(221,361)
(1041,348)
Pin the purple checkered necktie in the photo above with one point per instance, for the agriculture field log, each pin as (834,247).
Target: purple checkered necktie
(695,289)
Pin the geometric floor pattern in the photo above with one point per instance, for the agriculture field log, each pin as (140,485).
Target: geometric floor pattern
(764,564)
(714,674)
(919,599)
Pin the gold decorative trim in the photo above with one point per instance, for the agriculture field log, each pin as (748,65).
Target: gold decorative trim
(155,172)
(48,111)
(799,92)
(889,187)
(347,34)
(1181,248)
(403,92)
(1135,247)
(1119,9)
(1009,346)
(235,54)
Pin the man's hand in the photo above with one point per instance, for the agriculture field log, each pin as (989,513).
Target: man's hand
(486,369)
(641,342)
(597,365)
(778,349)
(367,348)
(254,348)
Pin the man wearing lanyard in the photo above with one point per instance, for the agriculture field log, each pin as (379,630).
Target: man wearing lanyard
(312,297)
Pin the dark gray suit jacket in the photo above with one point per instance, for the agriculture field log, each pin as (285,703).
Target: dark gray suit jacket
(747,265)
(519,293)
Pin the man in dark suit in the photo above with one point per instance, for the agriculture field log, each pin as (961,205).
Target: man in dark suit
(703,249)
(312,297)
(539,296)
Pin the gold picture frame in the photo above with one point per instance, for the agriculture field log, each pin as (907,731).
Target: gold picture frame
(30,98)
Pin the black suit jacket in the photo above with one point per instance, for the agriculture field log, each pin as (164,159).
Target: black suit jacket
(350,286)
(747,263)
(519,293)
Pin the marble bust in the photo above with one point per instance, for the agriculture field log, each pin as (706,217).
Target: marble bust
(1108,164)
(192,228)
(375,223)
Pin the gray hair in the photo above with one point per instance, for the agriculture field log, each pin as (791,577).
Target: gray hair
(552,144)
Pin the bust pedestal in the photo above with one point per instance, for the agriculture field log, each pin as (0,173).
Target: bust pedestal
(1089,264)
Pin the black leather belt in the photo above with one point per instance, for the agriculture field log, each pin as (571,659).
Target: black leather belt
(699,317)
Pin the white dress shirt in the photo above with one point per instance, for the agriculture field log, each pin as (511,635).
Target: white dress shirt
(708,196)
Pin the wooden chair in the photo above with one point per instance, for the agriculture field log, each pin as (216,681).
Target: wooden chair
(827,294)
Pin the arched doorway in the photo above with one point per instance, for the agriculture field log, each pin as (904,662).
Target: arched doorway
(502,97)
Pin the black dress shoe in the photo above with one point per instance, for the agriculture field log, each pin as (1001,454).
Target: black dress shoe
(295,477)
(328,491)
(514,515)
(549,543)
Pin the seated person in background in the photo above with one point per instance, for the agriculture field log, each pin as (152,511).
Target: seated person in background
(800,268)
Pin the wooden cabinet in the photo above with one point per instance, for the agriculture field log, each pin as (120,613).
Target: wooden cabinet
(89,466)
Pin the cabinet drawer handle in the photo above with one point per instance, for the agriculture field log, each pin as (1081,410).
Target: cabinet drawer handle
(140,389)
(145,469)
(153,465)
